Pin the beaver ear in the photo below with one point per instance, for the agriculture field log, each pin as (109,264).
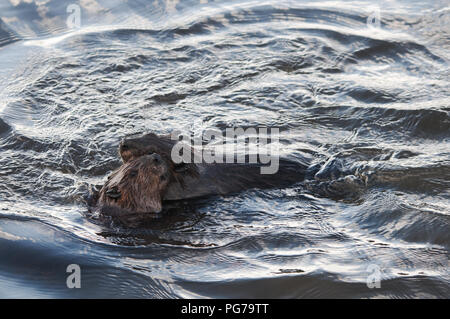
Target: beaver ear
(113,193)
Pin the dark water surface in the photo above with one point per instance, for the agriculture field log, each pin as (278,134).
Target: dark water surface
(369,106)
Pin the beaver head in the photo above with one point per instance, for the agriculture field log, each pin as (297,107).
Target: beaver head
(130,148)
(137,186)
(134,147)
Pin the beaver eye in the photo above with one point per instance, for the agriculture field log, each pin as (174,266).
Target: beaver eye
(113,193)
(133,173)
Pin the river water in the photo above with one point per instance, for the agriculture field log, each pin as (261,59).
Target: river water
(360,87)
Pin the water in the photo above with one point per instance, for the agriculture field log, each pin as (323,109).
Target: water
(369,105)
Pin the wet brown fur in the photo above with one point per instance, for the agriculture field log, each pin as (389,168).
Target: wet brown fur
(132,148)
(140,182)
(190,180)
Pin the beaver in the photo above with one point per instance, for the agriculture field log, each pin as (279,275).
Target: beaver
(198,178)
(136,187)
